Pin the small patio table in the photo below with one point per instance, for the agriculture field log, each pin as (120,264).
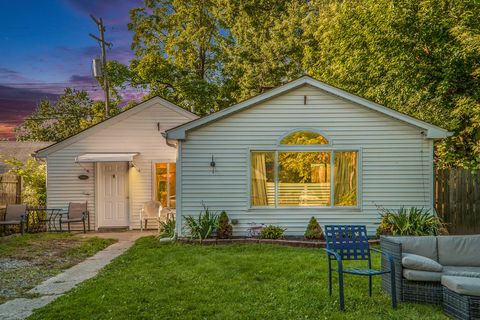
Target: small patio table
(44,219)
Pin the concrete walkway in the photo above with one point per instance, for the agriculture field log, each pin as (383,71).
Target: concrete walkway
(56,286)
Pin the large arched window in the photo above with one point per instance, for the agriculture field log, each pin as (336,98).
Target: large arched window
(303,137)
(299,173)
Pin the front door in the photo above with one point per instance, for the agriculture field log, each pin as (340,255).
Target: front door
(113,194)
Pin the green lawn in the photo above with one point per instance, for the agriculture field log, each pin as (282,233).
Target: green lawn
(175,281)
(35,257)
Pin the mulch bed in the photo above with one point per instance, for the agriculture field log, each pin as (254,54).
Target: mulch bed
(282,242)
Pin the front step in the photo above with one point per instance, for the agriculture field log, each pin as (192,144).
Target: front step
(112,229)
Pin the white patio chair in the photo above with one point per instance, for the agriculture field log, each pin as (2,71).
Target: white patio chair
(166,214)
(150,211)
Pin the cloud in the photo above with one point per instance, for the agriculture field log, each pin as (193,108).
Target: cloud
(112,11)
(9,75)
(16,104)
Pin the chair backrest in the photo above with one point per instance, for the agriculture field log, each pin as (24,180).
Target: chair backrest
(14,212)
(76,210)
(165,214)
(349,241)
(151,209)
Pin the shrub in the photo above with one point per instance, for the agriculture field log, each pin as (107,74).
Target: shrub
(166,228)
(225,229)
(33,173)
(272,232)
(410,222)
(203,226)
(314,231)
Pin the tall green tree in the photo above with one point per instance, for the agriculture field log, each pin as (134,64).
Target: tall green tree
(176,43)
(412,56)
(57,120)
(265,43)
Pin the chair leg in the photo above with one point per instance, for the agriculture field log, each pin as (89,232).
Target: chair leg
(22,225)
(146,221)
(329,277)
(340,287)
(68,223)
(394,289)
(370,286)
(84,229)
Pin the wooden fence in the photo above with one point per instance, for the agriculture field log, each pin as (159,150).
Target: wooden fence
(457,200)
(10,189)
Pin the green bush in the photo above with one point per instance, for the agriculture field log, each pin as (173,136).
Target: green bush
(34,183)
(225,229)
(166,228)
(410,222)
(314,231)
(272,232)
(203,226)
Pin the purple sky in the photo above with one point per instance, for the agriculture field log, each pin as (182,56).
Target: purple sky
(45,47)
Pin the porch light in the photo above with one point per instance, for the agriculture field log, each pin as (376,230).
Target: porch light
(212,164)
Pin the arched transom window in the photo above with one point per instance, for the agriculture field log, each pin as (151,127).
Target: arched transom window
(303,137)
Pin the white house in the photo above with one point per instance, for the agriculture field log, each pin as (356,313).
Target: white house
(117,165)
(300,150)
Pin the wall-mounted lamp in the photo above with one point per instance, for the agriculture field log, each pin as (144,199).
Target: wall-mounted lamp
(212,164)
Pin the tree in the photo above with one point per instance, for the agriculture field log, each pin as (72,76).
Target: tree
(33,173)
(58,120)
(265,44)
(177,48)
(412,56)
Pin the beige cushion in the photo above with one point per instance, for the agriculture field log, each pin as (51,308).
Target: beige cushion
(459,250)
(461,271)
(462,285)
(422,246)
(416,262)
(417,275)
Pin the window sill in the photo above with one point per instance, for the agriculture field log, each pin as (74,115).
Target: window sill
(320,209)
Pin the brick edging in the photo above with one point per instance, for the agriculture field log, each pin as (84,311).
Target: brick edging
(282,242)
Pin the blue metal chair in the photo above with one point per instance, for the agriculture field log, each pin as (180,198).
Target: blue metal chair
(350,242)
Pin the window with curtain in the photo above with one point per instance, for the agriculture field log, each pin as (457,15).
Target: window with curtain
(302,178)
(165,184)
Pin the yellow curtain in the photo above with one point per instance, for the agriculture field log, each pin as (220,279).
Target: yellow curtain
(345,177)
(259,180)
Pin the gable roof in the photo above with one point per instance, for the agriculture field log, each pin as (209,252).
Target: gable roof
(432,131)
(41,153)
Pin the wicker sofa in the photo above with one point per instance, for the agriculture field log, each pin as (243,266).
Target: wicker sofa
(457,256)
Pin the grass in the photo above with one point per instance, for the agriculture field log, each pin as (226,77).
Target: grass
(42,255)
(175,281)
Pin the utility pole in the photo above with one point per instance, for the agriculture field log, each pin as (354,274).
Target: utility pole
(103,43)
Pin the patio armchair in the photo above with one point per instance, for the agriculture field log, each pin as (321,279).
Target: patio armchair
(350,242)
(149,211)
(77,212)
(15,214)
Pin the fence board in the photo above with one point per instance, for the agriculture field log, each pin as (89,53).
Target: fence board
(457,199)
(10,189)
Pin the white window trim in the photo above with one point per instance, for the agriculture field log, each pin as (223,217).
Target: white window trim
(154,179)
(307,148)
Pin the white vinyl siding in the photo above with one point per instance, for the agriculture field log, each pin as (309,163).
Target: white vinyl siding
(395,160)
(136,133)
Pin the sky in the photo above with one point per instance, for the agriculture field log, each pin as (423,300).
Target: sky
(45,47)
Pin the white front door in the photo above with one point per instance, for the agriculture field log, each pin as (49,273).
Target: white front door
(113,194)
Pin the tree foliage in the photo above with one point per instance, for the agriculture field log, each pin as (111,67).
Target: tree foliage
(34,180)
(417,57)
(57,120)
